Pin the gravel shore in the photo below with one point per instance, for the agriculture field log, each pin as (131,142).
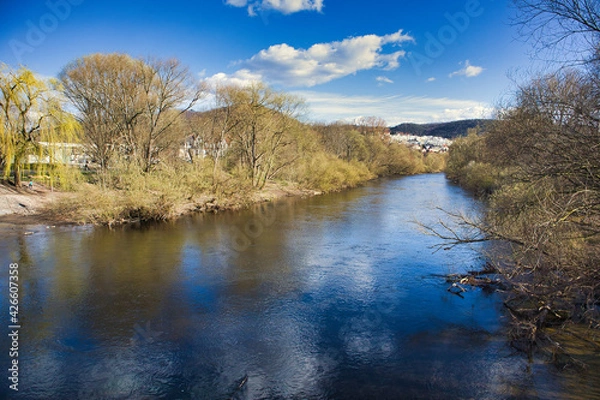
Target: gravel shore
(24,205)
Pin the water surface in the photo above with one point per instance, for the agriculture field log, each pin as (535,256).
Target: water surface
(332,297)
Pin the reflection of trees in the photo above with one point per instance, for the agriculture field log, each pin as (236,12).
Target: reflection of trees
(277,241)
(24,258)
(260,263)
(100,280)
(131,274)
(32,292)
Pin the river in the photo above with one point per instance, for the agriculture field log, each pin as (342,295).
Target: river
(331,297)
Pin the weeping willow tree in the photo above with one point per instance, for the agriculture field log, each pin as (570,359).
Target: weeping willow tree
(33,125)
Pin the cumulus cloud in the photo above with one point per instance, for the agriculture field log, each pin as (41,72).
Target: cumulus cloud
(324,62)
(243,77)
(468,71)
(282,6)
(432,79)
(330,107)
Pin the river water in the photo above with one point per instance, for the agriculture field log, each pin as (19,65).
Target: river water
(332,297)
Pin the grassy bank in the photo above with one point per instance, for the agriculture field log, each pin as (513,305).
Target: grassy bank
(127,194)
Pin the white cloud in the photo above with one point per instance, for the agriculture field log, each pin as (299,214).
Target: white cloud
(468,71)
(329,107)
(432,79)
(237,3)
(282,6)
(383,79)
(243,77)
(324,62)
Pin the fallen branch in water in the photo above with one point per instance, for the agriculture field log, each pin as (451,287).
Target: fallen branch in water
(475,279)
(239,387)
(457,289)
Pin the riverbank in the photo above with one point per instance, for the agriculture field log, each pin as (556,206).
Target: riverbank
(42,206)
(26,206)
(126,194)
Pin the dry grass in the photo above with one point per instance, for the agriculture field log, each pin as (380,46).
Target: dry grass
(131,195)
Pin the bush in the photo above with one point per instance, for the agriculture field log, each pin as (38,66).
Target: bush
(328,173)
(469,165)
(132,195)
(435,162)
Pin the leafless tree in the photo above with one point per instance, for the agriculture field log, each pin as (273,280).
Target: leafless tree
(103,88)
(372,126)
(545,151)
(168,92)
(569,29)
(342,139)
(259,121)
(130,107)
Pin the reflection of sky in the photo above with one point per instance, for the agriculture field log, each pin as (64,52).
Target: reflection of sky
(338,295)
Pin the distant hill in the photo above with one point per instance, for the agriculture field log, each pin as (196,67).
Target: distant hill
(448,130)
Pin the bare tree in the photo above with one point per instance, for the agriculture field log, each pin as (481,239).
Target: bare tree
(168,92)
(104,89)
(130,107)
(343,140)
(259,122)
(546,206)
(372,126)
(544,153)
(568,26)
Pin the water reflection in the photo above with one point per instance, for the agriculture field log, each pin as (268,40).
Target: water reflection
(322,298)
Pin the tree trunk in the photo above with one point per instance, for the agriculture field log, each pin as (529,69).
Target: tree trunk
(17,174)
(148,157)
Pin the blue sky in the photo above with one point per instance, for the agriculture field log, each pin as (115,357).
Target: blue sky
(428,61)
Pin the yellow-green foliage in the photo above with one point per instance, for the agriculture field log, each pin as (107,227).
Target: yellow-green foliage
(435,162)
(375,152)
(397,159)
(328,173)
(130,194)
(61,176)
(468,164)
(142,178)
(32,121)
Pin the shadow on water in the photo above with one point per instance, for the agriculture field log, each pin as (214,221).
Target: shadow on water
(332,297)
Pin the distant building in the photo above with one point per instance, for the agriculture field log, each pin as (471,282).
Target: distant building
(64,153)
(196,147)
(427,144)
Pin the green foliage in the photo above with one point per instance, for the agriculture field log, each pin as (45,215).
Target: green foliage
(32,123)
